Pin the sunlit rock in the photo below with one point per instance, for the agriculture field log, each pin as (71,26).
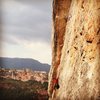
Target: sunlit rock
(75,50)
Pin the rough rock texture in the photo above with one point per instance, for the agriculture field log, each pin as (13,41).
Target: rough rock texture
(75,50)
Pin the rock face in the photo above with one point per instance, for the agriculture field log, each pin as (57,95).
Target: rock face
(75,50)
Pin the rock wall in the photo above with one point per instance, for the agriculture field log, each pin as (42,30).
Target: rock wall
(75,50)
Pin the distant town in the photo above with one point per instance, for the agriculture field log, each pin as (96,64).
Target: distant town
(24,74)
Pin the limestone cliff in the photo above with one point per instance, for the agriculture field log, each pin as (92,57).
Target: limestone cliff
(75,50)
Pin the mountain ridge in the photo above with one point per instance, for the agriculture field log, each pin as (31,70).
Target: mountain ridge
(21,63)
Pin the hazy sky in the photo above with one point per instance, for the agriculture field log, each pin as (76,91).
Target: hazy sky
(26,29)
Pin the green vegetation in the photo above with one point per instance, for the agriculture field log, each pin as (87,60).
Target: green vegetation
(18,90)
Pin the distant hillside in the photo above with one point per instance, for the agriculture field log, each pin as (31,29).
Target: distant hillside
(20,63)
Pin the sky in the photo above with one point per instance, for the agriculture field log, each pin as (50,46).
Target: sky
(25,29)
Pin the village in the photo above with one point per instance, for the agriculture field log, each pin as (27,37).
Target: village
(24,74)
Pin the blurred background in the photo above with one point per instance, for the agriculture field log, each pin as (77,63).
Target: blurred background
(25,29)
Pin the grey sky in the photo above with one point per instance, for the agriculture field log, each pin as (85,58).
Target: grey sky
(25,21)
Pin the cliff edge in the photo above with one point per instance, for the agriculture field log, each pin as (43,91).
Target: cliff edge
(75,70)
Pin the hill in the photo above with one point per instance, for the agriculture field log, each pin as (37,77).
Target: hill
(21,63)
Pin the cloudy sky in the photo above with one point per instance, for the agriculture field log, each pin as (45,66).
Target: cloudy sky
(25,27)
